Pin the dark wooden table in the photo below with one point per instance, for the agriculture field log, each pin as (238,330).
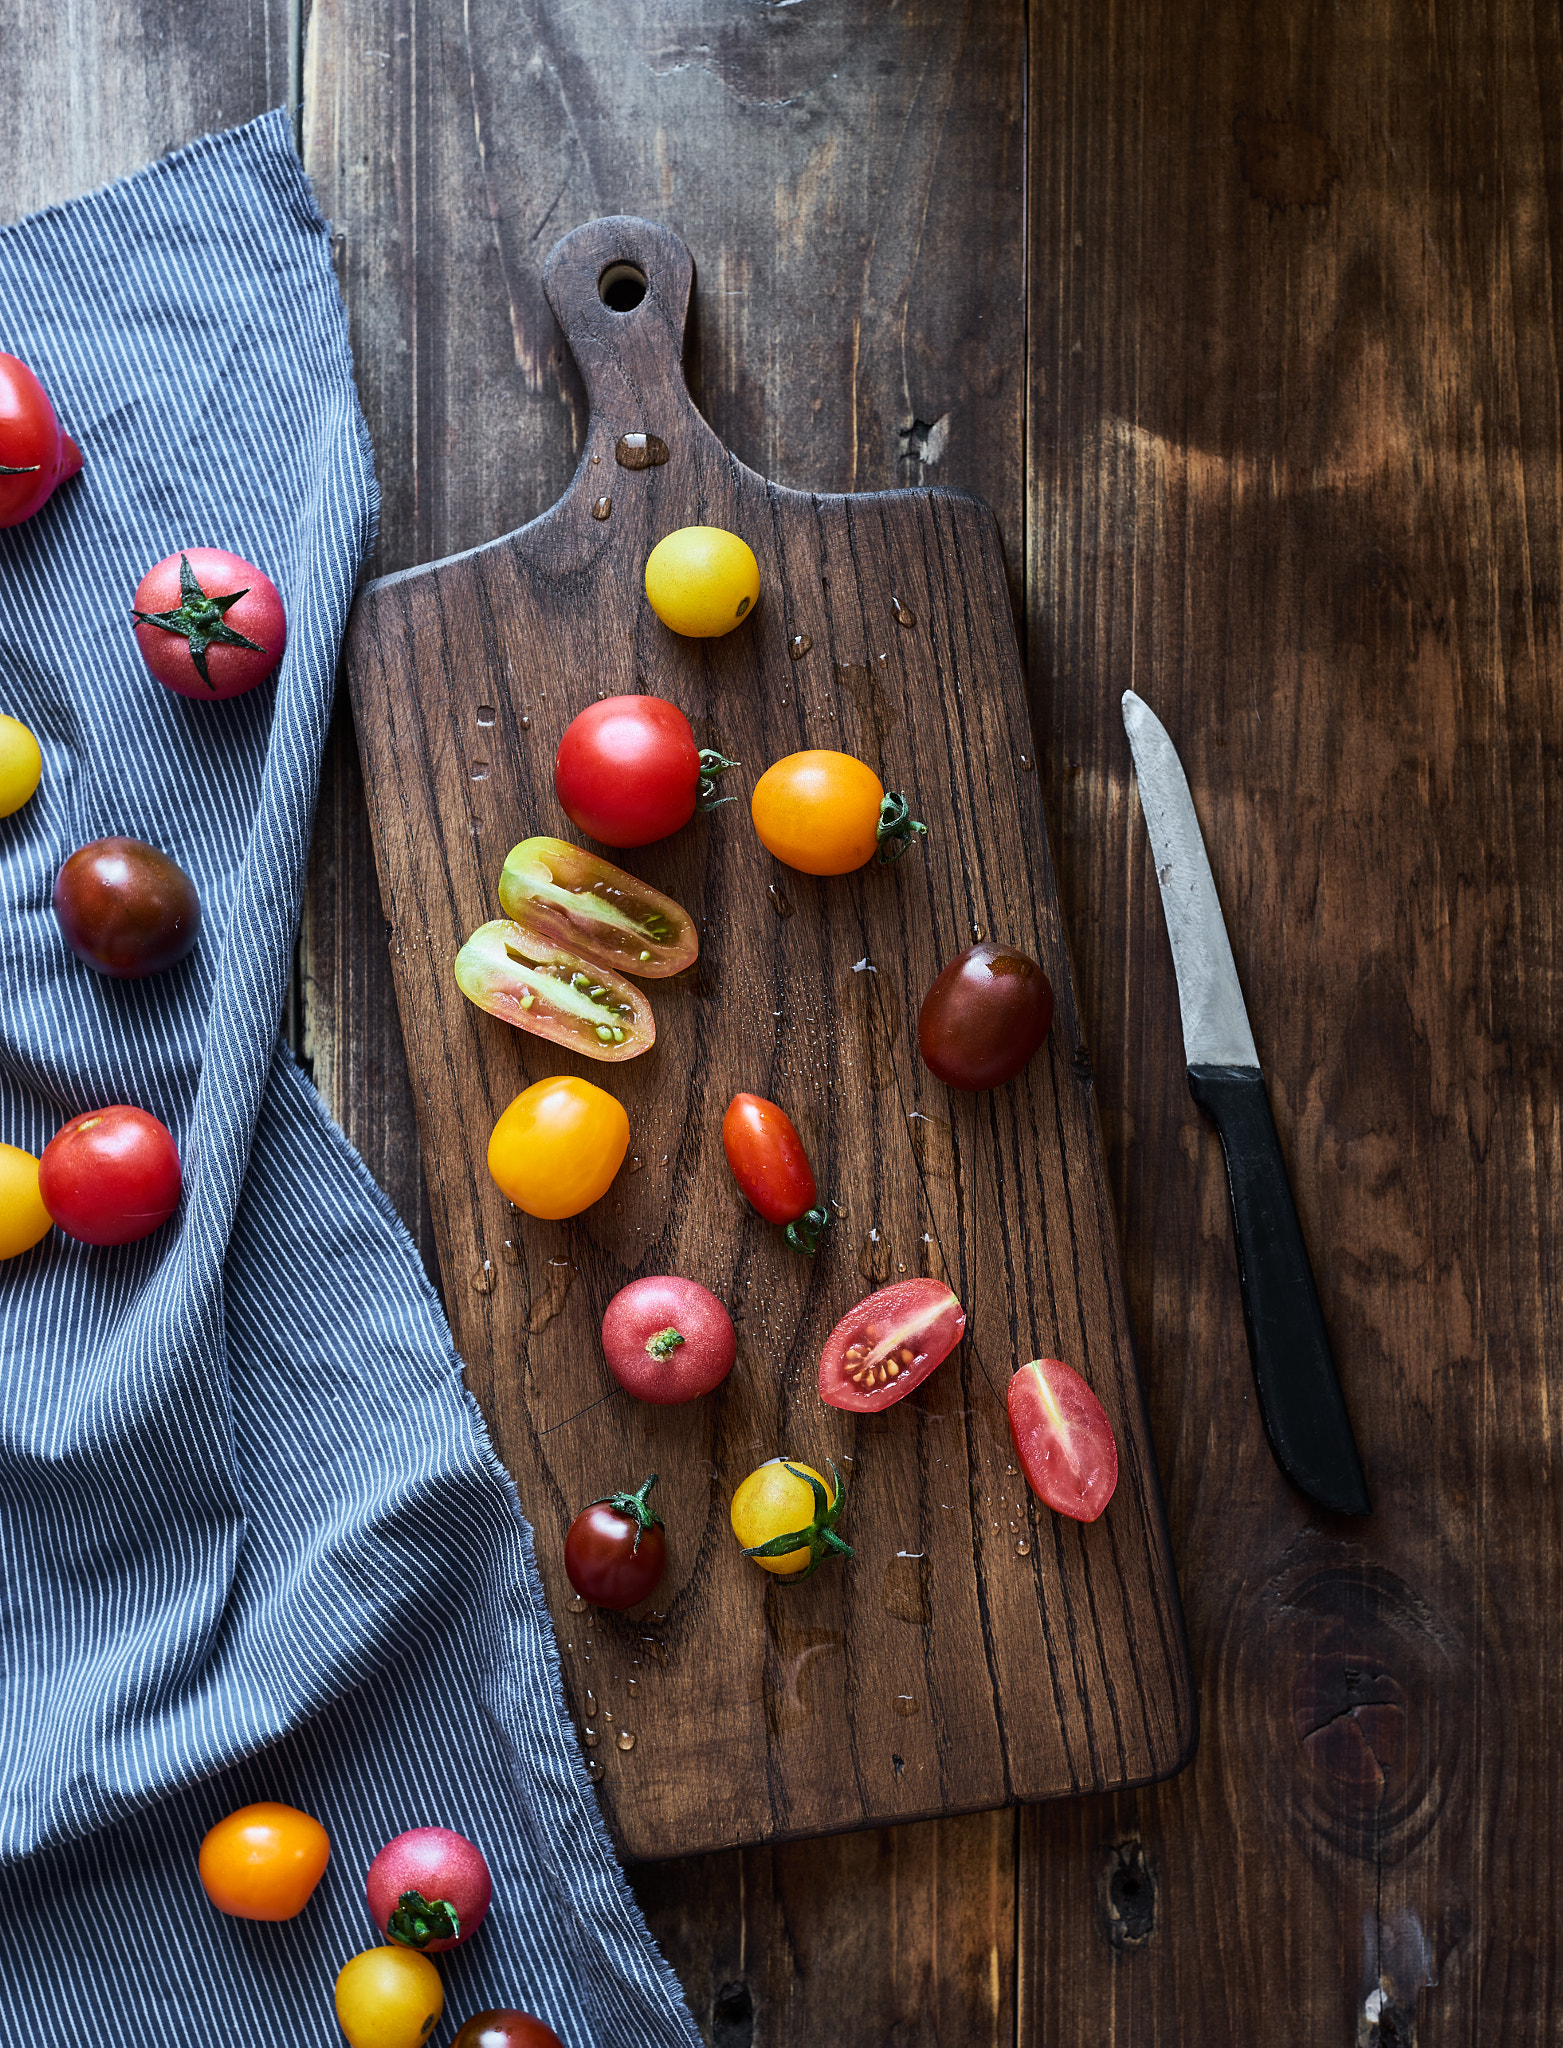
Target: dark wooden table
(1245,323)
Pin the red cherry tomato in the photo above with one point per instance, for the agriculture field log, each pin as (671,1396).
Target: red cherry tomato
(668,1340)
(628,770)
(889,1344)
(1065,1442)
(506,2028)
(111,1177)
(429,1889)
(35,455)
(209,624)
(771,1166)
(984,1017)
(125,908)
(615,1552)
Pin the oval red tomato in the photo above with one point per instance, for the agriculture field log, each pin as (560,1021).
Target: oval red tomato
(209,624)
(111,1177)
(984,1017)
(125,908)
(768,1160)
(429,1889)
(889,1344)
(1064,1441)
(668,1340)
(506,2028)
(628,770)
(35,455)
(615,1552)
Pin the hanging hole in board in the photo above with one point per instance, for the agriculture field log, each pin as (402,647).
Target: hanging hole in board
(621,287)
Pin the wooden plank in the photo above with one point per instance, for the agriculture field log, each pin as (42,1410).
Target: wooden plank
(883,624)
(1295,414)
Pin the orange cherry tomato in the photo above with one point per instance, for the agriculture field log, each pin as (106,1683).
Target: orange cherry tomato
(555,1150)
(263,1862)
(825,813)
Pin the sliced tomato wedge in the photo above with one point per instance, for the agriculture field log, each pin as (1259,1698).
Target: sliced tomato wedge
(544,988)
(889,1344)
(579,900)
(1065,1442)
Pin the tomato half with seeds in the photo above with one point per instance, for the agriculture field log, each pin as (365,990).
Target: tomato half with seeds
(610,919)
(35,455)
(770,1165)
(543,988)
(615,1551)
(628,771)
(888,1345)
(825,813)
(1062,1436)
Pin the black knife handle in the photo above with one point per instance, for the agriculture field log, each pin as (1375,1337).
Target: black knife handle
(1300,1396)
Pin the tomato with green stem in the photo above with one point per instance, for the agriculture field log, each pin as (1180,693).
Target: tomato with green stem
(36,455)
(770,1165)
(582,902)
(616,1550)
(825,813)
(628,771)
(784,1516)
(429,1889)
(208,623)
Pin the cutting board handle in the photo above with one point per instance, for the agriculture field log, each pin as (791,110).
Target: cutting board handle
(630,348)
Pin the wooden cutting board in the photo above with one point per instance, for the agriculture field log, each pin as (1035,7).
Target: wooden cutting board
(978,1650)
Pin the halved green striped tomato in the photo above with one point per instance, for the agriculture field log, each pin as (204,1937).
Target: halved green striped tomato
(579,900)
(515,974)
(889,1344)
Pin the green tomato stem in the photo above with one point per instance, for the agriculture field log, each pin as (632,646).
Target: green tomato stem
(820,1536)
(417,1921)
(635,1508)
(712,764)
(803,1235)
(664,1343)
(897,828)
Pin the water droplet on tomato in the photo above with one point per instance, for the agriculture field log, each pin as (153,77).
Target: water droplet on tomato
(640,451)
(799,645)
(486,714)
(779,902)
(576,1604)
(601,507)
(626,1738)
(480,771)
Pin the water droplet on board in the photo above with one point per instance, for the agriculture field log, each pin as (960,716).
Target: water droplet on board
(641,451)
(905,1704)
(779,902)
(626,1738)
(878,716)
(596,459)
(483,1278)
(591,1702)
(510,1252)
(594,1770)
(576,1604)
(904,1594)
(864,966)
(486,714)
(480,771)
(634,1686)
(1022,1547)
(559,1277)
(875,1259)
(1027,763)
(526,724)
(590,1737)
(602,507)
(903,616)
(799,645)
(978,933)
(636,1165)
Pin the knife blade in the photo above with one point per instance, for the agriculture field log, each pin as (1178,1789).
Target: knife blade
(1300,1398)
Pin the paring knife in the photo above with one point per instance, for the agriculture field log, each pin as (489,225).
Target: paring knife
(1300,1396)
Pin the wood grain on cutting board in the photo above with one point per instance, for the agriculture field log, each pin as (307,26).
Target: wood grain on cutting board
(978,1649)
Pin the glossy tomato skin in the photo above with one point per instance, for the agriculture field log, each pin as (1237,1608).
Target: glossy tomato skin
(984,1017)
(437,1864)
(668,1340)
(1063,1438)
(544,988)
(257,616)
(126,909)
(31,443)
(818,812)
(24,1221)
(21,764)
(389,1998)
(111,1177)
(628,771)
(505,2028)
(555,1150)
(611,1560)
(774,1501)
(767,1158)
(264,1861)
(702,581)
(610,918)
(888,1344)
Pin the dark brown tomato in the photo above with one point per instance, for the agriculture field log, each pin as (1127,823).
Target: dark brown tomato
(984,1017)
(889,1344)
(615,1551)
(506,2028)
(668,1340)
(125,908)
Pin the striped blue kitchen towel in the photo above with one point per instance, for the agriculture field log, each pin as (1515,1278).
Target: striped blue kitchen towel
(253,1541)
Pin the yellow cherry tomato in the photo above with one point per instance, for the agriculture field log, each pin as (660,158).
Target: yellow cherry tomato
(777,1500)
(21,765)
(23,1218)
(264,1861)
(702,581)
(557,1147)
(389,1998)
(818,811)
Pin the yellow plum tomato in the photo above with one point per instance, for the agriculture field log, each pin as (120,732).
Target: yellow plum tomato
(702,581)
(784,1516)
(555,1150)
(825,813)
(389,1998)
(264,1861)
(21,765)
(23,1217)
